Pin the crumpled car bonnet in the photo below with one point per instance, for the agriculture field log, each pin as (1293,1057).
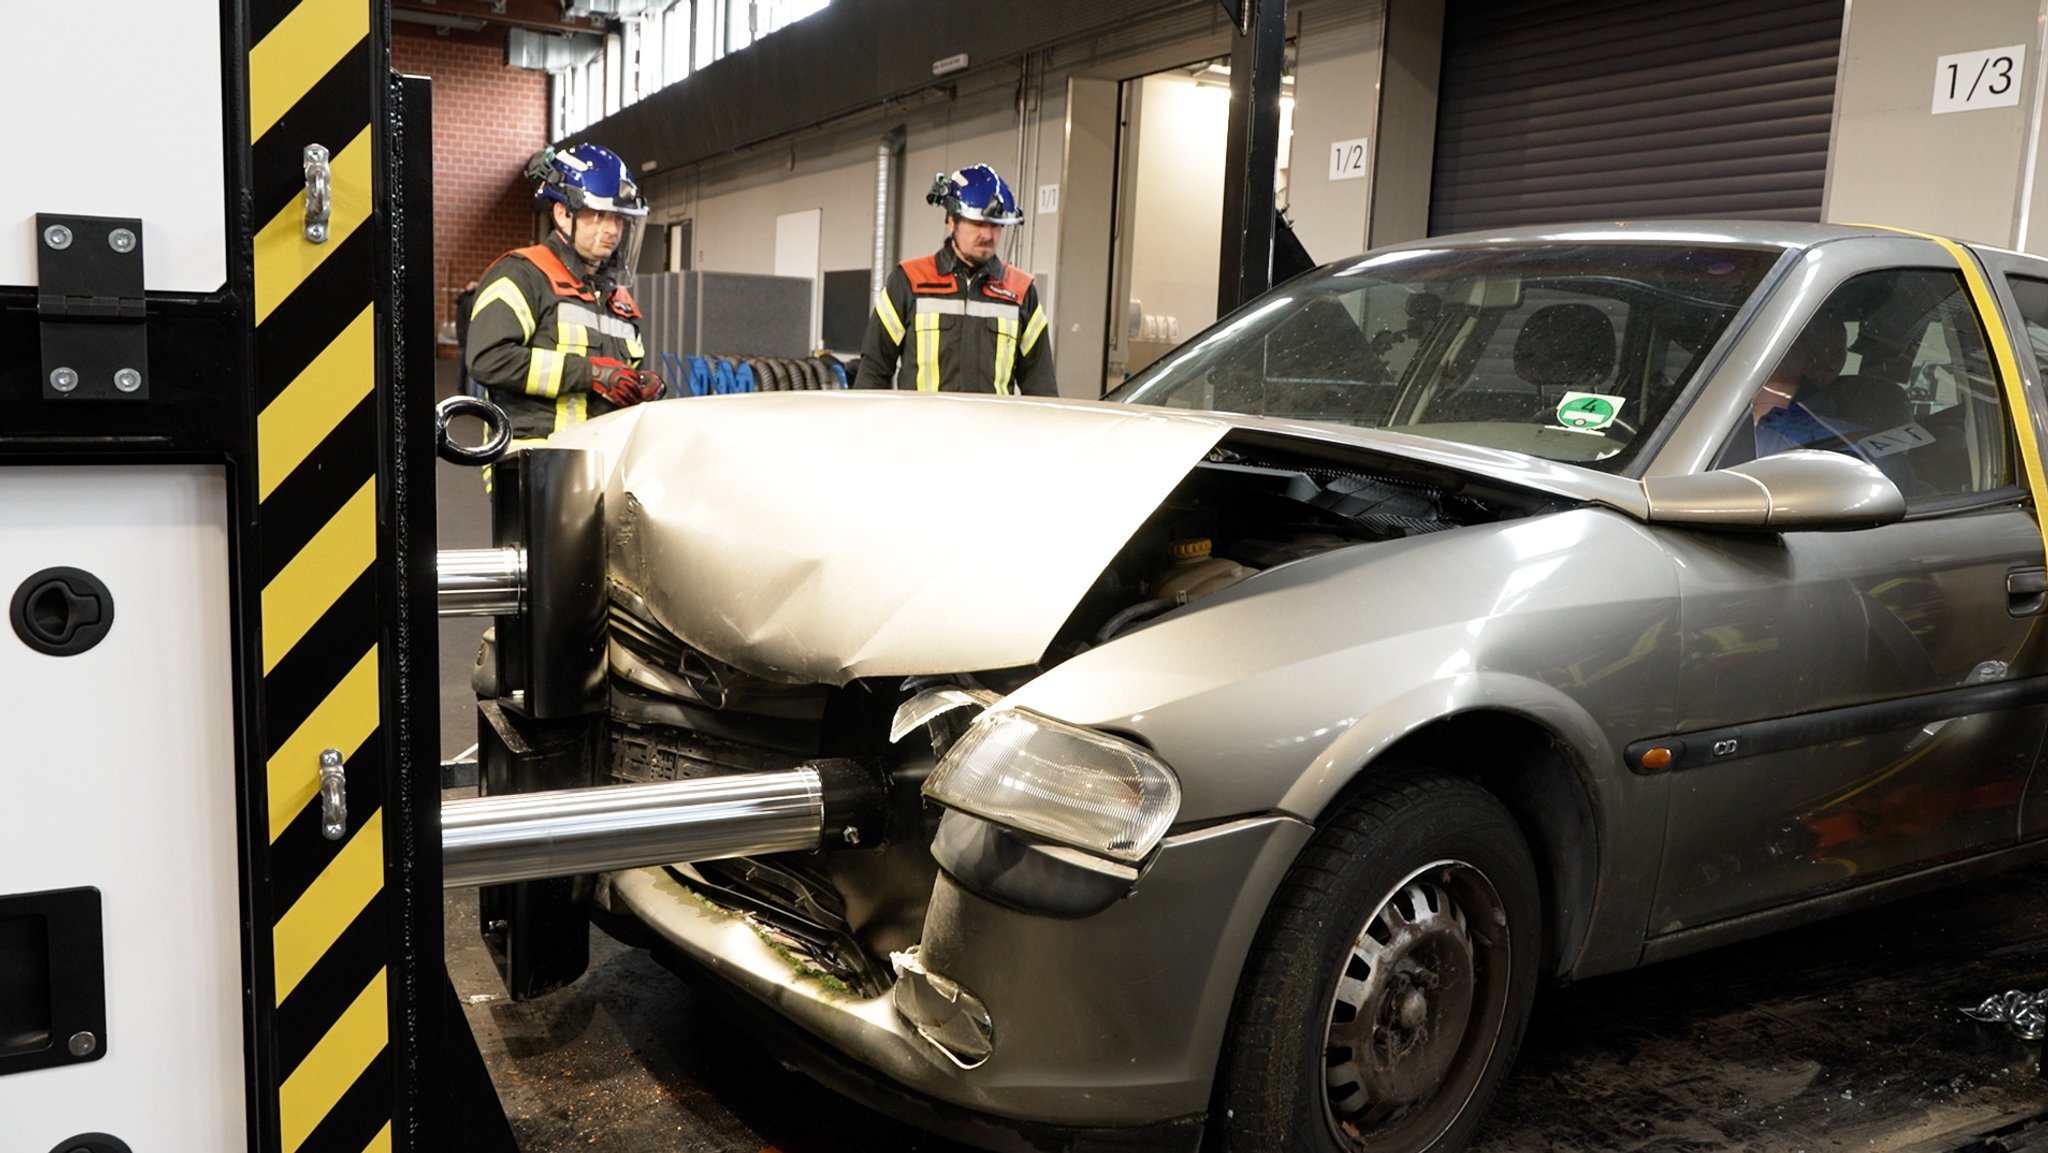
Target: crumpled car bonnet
(827,536)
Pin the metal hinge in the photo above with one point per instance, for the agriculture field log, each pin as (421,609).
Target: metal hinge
(89,299)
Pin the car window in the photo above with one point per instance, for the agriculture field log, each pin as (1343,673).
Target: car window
(2032,296)
(1572,352)
(1892,368)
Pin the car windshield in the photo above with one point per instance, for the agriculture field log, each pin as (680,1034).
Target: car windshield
(1573,352)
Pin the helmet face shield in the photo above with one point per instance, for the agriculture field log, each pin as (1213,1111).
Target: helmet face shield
(606,240)
(632,231)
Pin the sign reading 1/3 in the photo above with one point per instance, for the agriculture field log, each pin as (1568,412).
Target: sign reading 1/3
(1347,159)
(1987,78)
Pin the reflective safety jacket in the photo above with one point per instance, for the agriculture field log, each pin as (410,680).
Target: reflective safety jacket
(940,325)
(533,329)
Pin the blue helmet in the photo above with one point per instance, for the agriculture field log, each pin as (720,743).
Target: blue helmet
(975,193)
(586,176)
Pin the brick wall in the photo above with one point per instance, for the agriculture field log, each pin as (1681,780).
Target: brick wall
(488,119)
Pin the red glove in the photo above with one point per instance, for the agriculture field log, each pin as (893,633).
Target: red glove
(622,384)
(652,387)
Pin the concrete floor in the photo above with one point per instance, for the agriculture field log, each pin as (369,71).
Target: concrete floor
(1842,1036)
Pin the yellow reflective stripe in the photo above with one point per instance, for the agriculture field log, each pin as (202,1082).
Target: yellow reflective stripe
(381,1143)
(298,54)
(571,409)
(312,581)
(330,904)
(2008,368)
(885,311)
(284,257)
(503,291)
(635,351)
(927,352)
(573,339)
(1006,354)
(314,1088)
(293,425)
(343,721)
(544,372)
(1032,332)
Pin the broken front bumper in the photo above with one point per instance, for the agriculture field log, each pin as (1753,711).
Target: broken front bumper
(1103,1022)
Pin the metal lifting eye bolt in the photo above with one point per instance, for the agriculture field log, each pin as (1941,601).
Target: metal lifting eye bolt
(319,188)
(333,795)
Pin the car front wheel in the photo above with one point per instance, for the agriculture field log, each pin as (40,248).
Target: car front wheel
(1392,980)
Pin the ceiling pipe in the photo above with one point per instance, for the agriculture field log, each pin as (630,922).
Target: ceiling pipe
(414,14)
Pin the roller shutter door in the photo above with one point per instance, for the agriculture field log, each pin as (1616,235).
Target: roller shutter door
(1558,110)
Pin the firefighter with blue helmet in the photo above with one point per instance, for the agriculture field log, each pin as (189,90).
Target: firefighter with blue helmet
(554,335)
(961,319)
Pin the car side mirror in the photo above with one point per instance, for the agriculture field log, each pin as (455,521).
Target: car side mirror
(1804,489)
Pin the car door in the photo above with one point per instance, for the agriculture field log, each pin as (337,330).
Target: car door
(2021,284)
(1855,701)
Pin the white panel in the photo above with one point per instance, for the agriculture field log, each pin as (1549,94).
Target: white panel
(796,243)
(117,111)
(117,770)
(1182,129)
(796,253)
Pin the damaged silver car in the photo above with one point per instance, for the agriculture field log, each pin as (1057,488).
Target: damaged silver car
(1227,764)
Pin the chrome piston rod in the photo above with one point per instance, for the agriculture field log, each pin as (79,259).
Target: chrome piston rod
(527,836)
(481,582)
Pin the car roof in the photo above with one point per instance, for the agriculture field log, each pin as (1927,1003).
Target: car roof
(1769,233)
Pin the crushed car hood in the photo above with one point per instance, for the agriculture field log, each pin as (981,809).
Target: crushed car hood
(817,537)
(823,537)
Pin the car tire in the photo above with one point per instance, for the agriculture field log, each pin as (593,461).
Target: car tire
(1440,877)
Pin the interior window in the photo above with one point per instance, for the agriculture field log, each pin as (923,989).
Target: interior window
(1892,368)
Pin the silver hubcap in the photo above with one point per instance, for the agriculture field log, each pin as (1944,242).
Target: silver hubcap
(1414,984)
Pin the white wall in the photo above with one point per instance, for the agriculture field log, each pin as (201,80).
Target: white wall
(1893,160)
(735,205)
(1336,97)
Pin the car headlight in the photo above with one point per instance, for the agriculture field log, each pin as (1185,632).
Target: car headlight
(1069,785)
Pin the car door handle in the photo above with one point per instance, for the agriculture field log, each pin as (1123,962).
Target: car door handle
(2026,589)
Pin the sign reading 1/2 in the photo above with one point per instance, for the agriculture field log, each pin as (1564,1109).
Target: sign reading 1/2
(1988,78)
(1347,159)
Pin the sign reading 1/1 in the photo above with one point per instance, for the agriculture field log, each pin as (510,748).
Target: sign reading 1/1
(1347,159)
(1988,78)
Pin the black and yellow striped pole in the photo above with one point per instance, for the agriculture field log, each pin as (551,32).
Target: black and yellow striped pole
(347,892)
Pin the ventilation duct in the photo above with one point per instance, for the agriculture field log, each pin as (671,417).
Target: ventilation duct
(887,155)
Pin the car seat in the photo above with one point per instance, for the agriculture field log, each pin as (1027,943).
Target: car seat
(1565,347)
(1860,404)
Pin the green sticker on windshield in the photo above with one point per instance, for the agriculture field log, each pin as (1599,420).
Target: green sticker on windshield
(1588,410)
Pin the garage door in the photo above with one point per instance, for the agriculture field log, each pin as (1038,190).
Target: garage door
(1557,110)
